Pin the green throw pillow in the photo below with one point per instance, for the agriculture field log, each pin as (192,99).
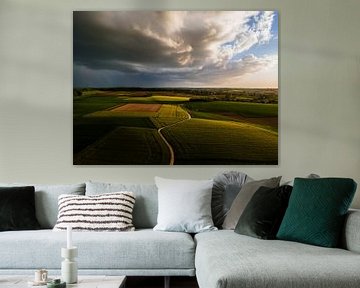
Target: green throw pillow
(316,211)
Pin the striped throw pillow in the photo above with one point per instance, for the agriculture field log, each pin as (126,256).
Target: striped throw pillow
(105,212)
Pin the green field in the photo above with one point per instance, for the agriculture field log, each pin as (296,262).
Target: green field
(87,130)
(85,105)
(222,142)
(125,145)
(156,99)
(201,126)
(243,109)
(169,114)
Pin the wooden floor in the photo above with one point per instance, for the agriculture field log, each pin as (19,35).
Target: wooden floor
(158,282)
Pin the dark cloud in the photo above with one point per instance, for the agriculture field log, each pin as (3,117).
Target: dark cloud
(163,48)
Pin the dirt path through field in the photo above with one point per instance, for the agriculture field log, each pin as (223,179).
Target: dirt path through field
(172,154)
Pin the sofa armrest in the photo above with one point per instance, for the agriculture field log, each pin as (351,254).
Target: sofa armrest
(351,234)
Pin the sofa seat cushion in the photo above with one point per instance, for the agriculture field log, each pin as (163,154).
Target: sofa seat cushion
(225,259)
(142,249)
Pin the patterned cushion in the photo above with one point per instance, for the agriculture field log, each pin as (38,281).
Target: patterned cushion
(146,205)
(317,210)
(106,212)
(226,187)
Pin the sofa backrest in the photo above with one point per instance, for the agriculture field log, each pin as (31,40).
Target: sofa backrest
(46,200)
(146,203)
(351,236)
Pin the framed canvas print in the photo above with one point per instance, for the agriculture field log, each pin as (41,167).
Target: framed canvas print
(175,87)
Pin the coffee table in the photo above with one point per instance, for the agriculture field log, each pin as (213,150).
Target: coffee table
(84,281)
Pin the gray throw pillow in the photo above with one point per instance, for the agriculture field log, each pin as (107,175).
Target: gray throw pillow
(46,200)
(226,187)
(242,199)
(310,176)
(184,205)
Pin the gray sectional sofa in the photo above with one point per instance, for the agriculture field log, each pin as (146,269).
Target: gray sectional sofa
(219,259)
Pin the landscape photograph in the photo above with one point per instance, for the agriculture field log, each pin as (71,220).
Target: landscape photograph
(175,88)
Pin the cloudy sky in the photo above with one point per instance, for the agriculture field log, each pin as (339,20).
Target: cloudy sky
(176,49)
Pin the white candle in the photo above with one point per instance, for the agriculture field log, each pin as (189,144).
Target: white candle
(69,239)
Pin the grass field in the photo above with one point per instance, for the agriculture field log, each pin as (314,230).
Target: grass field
(121,126)
(222,142)
(168,115)
(85,105)
(269,123)
(87,130)
(157,99)
(243,109)
(133,107)
(125,145)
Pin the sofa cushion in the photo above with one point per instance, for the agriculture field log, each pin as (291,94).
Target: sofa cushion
(146,205)
(243,198)
(225,259)
(350,239)
(263,215)
(17,208)
(225,189)
(142,249)
(46,200)
(184,205)
(310,176)
(317,209)
(105,212)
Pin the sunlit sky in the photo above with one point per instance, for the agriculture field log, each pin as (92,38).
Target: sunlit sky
(176,49)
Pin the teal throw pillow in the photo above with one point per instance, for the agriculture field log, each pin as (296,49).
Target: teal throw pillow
(316,211)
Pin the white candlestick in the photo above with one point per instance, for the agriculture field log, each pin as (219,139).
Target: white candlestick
(69,240)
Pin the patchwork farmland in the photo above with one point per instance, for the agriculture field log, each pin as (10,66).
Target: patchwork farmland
(175,126)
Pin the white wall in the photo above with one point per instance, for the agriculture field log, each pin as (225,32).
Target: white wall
(319,91)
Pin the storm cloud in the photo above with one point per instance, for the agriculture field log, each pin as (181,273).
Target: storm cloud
(174,48)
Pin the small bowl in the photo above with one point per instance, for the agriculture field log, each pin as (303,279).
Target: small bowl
(56,283)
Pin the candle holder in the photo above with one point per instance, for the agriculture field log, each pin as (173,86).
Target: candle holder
(68,265)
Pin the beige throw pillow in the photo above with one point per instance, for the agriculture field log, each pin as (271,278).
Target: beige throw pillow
(243,198)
